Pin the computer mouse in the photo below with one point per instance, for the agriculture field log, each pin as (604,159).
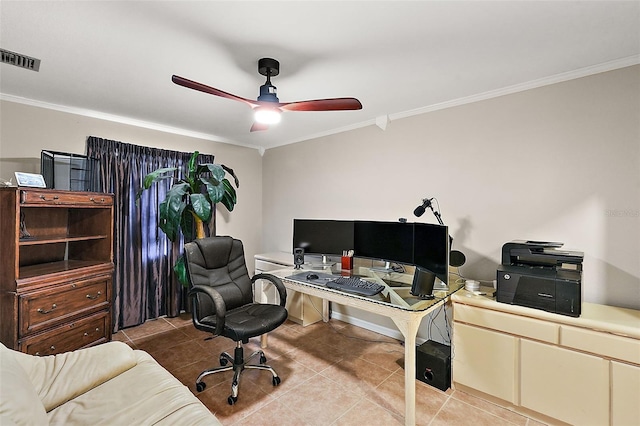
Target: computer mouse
(312,276)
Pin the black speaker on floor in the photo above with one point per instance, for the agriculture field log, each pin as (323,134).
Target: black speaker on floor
(298,257)
(433,364)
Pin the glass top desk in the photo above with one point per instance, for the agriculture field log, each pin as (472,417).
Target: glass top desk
(395,302)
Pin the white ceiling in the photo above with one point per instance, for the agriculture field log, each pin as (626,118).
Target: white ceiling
(115,59)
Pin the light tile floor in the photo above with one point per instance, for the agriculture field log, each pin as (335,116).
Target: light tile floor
(332,374)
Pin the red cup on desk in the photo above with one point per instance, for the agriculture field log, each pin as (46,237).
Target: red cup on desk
(347,263)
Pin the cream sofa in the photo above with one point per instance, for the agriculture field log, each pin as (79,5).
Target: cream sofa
(108,384)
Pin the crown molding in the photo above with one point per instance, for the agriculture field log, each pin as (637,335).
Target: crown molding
(557,78)
(122,120)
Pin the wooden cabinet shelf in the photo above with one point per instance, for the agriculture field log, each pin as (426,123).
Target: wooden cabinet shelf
(52,239)
(55,283)
(62,266)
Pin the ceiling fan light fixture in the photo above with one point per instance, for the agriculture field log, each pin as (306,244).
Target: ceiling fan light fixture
(266,115)
(267,108)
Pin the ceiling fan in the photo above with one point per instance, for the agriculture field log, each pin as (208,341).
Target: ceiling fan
(267,108)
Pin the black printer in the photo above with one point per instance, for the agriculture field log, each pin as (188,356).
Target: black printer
(538,274)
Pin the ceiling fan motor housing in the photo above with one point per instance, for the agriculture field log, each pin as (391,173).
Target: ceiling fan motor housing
(268,93)
(270,68)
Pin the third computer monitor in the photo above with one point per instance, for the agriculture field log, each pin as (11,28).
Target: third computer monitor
(431,249)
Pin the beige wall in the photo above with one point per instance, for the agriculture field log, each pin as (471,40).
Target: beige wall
(559,163)
(26,130)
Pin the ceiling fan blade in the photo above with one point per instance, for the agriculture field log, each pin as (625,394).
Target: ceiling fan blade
(259,126)
(190,84)
(335,104)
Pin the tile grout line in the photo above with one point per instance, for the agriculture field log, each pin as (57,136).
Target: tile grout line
(441,408)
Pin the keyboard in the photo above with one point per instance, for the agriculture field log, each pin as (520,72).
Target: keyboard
(355,285)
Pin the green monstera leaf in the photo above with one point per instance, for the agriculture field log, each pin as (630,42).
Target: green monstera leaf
(187,205)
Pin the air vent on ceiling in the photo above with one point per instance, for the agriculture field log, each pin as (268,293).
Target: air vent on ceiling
(19,60)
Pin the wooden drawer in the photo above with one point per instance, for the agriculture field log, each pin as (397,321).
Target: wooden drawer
(44,197)
(603,344)
(507,323)
(264,266)
(52,306)
(83,332)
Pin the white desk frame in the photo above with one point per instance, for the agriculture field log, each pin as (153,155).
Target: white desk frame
(406,320)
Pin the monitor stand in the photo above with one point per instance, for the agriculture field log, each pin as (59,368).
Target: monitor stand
(440,285)
(324,265)
(387,269)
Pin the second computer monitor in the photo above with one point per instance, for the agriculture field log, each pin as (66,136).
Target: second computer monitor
(388,241)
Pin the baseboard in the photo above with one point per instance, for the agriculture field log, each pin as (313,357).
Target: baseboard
(389,332)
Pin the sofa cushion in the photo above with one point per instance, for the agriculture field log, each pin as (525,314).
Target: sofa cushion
(19,402)
(60,378)
(146,394)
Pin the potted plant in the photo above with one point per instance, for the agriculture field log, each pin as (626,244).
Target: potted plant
(190,203)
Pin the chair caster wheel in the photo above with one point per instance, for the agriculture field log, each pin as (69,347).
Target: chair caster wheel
(263,359)
(223,361)
(200,386)
(275,381)
(232,400)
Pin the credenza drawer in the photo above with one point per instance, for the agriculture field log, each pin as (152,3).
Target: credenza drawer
(507,323)
(71,336)
(604,344)
(64,198)
(264,266)
(50,307)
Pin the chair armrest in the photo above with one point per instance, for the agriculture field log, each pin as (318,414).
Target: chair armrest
(218,303)
(282,291)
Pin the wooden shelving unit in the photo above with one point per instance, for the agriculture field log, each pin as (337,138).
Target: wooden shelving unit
(57,269)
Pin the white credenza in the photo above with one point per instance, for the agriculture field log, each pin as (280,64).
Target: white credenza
(303,309)
(581,371)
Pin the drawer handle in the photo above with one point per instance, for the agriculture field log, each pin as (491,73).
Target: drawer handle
(94,297)
(101,200)
(44,312)
(86,334)
(53,348)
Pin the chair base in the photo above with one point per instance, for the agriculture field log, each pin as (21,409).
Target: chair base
(238,365)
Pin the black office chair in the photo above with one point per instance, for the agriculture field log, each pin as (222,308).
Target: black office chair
(222,298)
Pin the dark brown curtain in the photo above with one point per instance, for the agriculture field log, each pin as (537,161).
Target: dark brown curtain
(144,286)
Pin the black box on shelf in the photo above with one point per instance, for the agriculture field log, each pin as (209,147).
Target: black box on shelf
(71,172)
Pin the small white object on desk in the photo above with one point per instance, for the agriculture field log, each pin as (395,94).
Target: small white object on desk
(472,285)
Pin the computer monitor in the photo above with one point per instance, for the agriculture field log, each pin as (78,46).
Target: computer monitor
(431,249)
(323,237)
(388,241)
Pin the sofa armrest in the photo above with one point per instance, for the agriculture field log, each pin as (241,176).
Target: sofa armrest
(60,378)
(19,401)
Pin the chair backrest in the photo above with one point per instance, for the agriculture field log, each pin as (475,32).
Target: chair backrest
(219,262)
